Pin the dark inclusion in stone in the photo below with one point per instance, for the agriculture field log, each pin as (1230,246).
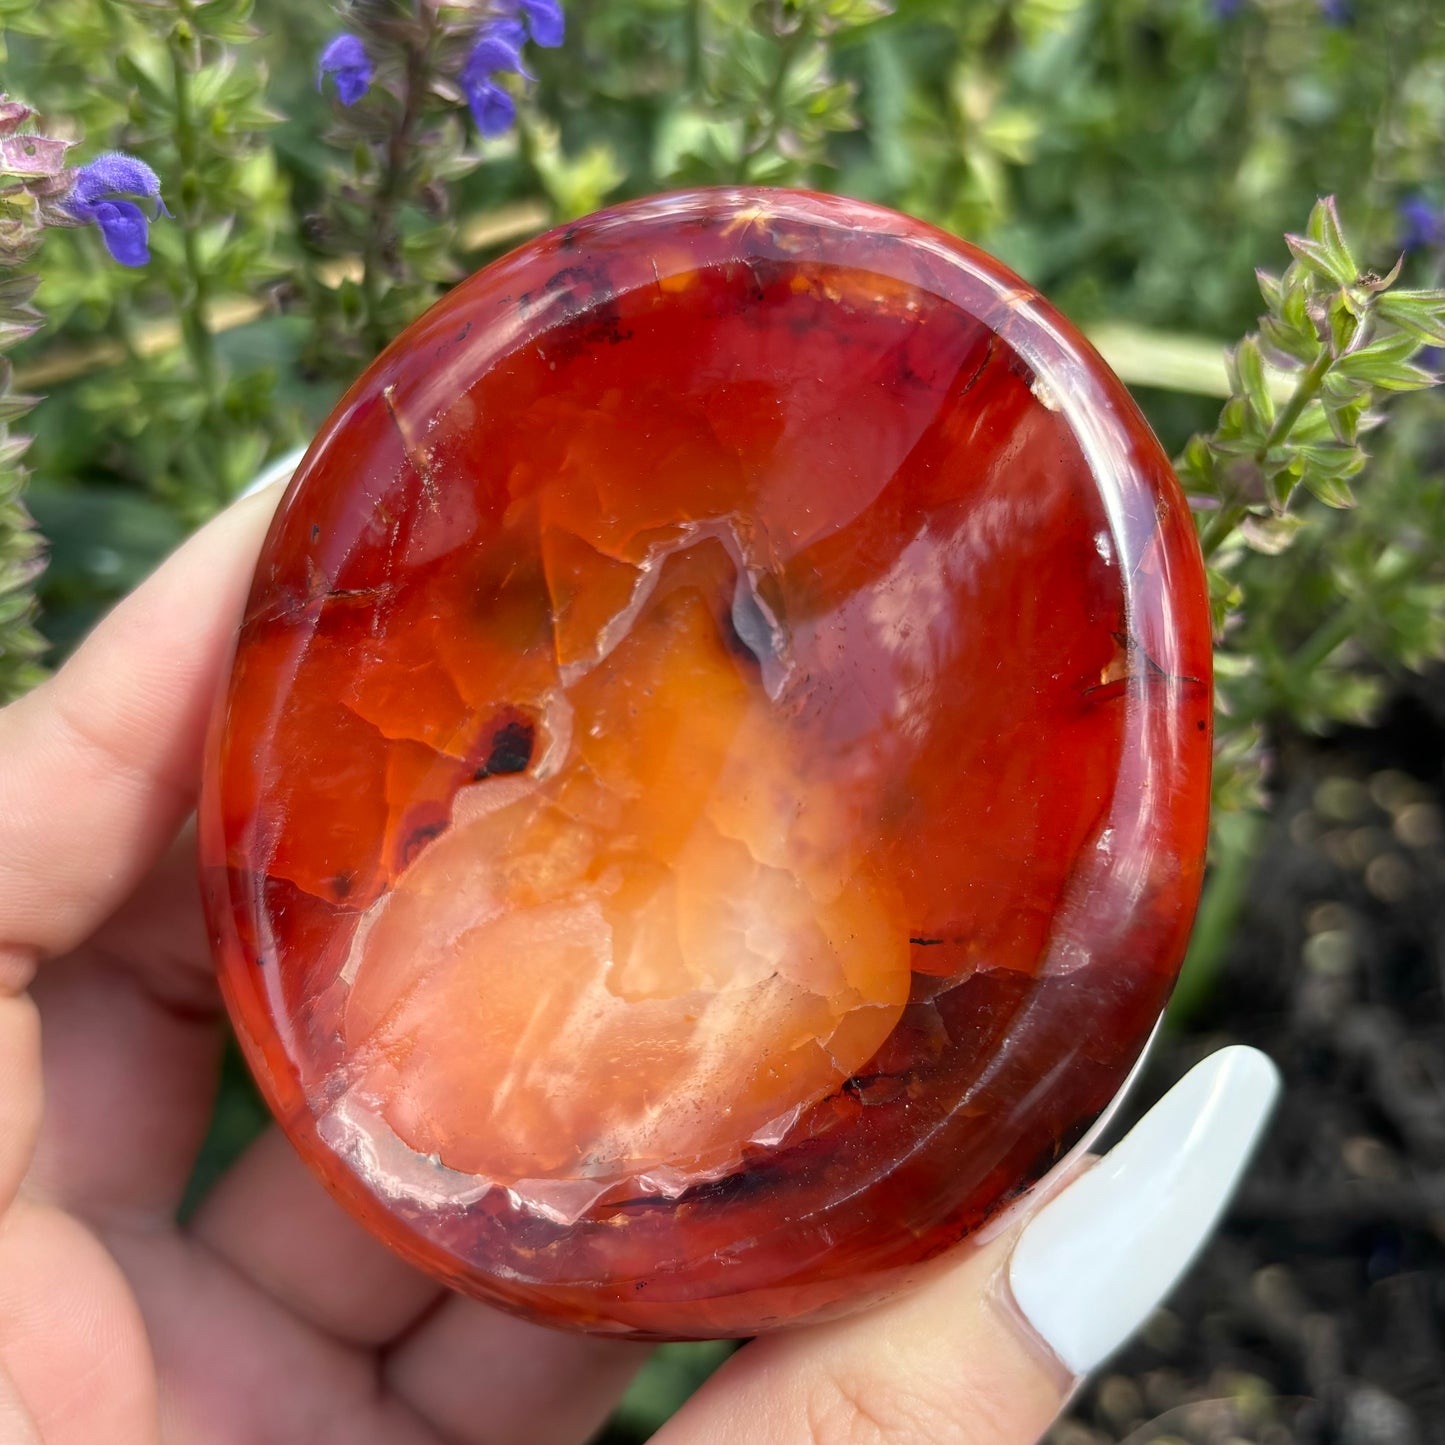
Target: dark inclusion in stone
(511,750)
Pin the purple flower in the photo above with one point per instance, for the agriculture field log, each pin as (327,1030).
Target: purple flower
(116,174)
(346,59)
(545,21)
(492,52)
(1335,12)
(1421,224)
(493,108)
(97,195)
(125,229)
(510,30)
(496,50)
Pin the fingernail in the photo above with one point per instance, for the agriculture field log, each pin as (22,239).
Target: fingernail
(1097,1259)
(278,471)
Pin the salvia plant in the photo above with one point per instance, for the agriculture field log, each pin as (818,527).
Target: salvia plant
(1062,136)
(1336,341)
(171,82)
(763,92)
(30,167)
(414,85)
(118,196)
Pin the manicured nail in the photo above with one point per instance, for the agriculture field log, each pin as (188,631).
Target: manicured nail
(1097,1259)
(279,471)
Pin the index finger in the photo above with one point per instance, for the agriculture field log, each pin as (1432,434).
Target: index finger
(100,764)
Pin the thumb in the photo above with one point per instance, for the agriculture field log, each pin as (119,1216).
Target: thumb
(991,1350)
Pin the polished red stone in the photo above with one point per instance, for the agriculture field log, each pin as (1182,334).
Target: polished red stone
(712,790)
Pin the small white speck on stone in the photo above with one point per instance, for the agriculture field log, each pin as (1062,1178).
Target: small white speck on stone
(1044,394)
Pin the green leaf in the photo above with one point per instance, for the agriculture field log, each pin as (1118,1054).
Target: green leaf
(1271,288)
(1196,464)
(1344,320)
(1279,486)
(1246,368)
(12,448)
(1295,312)
(12,332)
(1312,425)
(1422,313)
(1324,226)
(17,290)
(1325,469)
(1317,258)
(1284,340)
(1393,346)
(154,92)
(1385,371)
(830,15)
(1337,388)
(1345,417)
(1271,534)
(13,405)
(1332,491)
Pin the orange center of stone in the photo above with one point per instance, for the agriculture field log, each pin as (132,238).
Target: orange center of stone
(652,947)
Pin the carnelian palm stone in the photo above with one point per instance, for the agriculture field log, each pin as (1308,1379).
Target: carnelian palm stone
(711,794)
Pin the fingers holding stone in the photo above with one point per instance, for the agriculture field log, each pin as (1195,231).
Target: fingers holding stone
(471,1372)
(128,1088)
(478,1375)
(20,1092)
(97,769)
(132,1038)
(235,1365)
(99,765)
(1093,1263)
(940,1364)
(271,1219)
(17,1424)
(990,1350)
(72,1340)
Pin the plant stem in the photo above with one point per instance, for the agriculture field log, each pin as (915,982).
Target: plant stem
(1332,633)
(381,232)
(1238,838)
(787,48)
(1220,524)
(1307,388)
(194,306)
(693,21)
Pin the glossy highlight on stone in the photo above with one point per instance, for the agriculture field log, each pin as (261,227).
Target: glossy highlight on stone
(712,790)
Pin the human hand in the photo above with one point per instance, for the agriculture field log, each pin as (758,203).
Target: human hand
(271,1315)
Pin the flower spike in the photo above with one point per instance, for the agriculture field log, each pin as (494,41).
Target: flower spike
(345,57)
(97,195)
(545,21)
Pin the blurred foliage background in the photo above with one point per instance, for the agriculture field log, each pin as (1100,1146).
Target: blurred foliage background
(1134,159)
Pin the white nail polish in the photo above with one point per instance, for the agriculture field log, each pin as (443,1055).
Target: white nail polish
(1092,1265)
(279,471)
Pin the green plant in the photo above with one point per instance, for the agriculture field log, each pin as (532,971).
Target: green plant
(1335,342)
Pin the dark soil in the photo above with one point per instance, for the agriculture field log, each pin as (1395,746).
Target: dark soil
(1318,1313)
